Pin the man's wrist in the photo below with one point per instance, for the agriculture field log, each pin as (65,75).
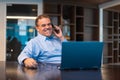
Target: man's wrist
(62,38)
(24,61)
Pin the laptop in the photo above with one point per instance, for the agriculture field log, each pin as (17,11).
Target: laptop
(81,55)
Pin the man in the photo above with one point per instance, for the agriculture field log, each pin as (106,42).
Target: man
(45,47)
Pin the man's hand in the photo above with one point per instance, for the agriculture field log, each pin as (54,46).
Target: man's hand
(59,35)
(30,63)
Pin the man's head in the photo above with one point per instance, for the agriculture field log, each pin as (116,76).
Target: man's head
(44,25)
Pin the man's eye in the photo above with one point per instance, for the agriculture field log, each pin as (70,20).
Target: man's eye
(43,25)
(49,24)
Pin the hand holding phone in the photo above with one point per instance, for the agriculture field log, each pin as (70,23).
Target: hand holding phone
(58,33)
(55,29)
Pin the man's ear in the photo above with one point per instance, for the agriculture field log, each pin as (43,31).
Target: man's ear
(37,28)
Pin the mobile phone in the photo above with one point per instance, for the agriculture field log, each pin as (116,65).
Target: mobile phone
(54,28)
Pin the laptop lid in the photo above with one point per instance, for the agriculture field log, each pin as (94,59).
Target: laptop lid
(81,55)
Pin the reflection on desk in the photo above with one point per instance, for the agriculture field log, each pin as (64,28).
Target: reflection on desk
(43,72)
(13,71)
(81,75)
(2,71)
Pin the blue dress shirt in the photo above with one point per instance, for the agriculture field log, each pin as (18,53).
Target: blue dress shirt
(42,49)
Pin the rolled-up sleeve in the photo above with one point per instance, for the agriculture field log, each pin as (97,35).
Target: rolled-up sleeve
(65,40)
(26,53)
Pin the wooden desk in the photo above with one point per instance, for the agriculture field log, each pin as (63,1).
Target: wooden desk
(13,71)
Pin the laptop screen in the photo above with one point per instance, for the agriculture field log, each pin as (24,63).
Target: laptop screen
(79,55)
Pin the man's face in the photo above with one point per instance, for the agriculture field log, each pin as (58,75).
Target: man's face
(44,27)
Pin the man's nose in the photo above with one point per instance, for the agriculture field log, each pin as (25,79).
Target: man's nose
(47,25)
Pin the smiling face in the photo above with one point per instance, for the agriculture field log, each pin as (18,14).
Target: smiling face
(44,26)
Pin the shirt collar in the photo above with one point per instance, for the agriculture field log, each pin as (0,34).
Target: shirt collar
(44,37)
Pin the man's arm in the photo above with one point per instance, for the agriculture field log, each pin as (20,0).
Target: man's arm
(25,57)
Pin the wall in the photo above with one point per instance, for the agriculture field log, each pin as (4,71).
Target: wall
(2,31)
(3,4)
